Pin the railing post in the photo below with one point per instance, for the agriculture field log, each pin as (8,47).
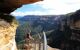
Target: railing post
(44,42)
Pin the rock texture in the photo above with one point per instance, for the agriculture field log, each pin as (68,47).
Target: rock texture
(8,24)
(7,34)
(7,6)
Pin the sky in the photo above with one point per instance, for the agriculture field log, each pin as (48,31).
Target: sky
(48,7)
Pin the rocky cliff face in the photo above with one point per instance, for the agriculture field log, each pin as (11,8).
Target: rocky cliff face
(7,34)
(8,24)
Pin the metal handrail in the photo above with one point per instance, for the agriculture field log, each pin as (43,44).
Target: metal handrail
(45,41)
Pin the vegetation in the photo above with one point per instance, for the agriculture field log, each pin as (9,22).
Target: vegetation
(8,18)
(57,28)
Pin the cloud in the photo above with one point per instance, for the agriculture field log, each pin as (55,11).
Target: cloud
(51,7)
(64,6)
(28,13)
(35,13)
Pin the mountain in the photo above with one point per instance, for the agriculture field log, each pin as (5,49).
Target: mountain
(38,24)
(18,17)
(58,28)
(41,18)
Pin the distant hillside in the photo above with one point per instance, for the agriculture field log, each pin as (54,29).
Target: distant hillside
(56,27)
(32,18)
(38,24)
(18,17)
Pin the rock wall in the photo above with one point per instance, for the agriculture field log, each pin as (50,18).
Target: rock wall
(8,24)
(7,34)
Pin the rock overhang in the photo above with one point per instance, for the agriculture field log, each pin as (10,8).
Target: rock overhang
(8,6)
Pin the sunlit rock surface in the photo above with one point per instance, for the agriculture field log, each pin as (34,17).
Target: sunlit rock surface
(7,33)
